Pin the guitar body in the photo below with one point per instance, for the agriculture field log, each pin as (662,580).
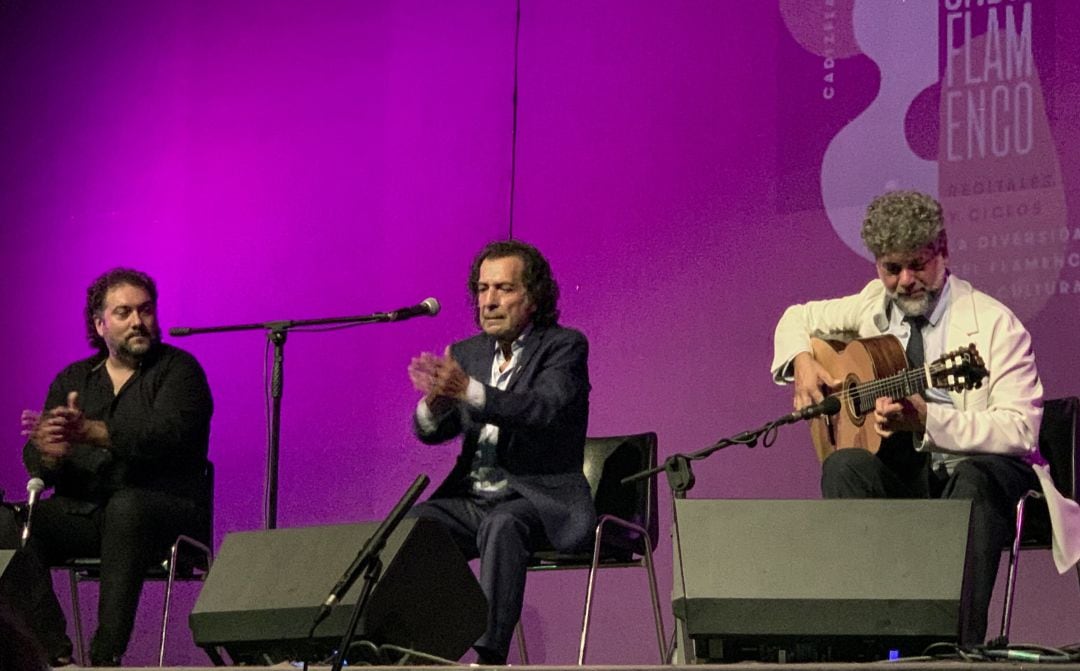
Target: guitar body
(856,362)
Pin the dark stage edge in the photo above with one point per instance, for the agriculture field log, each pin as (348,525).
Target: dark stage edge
(748,666)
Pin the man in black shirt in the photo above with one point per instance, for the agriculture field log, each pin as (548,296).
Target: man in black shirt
(123,441)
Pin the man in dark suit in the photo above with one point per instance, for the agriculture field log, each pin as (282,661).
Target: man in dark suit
(519,394)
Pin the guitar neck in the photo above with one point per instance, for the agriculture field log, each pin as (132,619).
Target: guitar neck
(905,383)
(873,368)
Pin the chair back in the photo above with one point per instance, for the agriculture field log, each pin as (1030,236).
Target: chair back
(190,562)
(607,461)
(205,531)
(1058,440)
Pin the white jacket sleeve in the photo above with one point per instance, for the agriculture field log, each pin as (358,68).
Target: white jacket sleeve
(1003,416)
(851,315)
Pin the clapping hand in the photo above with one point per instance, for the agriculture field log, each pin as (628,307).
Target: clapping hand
(440,379)
(54,431)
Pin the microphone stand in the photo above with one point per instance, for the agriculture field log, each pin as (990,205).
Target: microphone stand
(677,467)
(369,561)
(276,332)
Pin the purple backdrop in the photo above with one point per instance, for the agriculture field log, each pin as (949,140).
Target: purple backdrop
(690,170)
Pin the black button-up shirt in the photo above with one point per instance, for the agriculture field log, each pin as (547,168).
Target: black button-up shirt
(159,427)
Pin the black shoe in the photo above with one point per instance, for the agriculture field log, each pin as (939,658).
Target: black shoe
(60,654)
(102,654)
(98,658)
(487,657)
(105,661)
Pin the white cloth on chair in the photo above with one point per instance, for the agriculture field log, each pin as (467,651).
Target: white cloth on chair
(1064,520)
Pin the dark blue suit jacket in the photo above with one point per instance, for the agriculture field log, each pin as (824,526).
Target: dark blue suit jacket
(542,417)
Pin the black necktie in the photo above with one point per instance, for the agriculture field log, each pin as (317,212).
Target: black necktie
(915,356)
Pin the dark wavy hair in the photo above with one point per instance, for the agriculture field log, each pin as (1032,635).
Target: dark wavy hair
(95,298)
(537,278)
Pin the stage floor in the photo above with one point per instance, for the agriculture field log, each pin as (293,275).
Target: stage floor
(928,665)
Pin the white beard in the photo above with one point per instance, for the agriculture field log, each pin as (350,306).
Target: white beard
(916,307)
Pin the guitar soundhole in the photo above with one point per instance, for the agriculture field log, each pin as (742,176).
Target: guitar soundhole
(855,402)
(857,407)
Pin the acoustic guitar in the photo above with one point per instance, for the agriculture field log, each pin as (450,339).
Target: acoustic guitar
(872,368)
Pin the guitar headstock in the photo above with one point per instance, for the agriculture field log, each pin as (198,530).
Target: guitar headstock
(958,370)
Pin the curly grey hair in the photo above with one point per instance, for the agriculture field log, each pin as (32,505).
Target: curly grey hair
(904,222)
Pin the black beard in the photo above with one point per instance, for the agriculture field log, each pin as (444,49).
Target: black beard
(125,352)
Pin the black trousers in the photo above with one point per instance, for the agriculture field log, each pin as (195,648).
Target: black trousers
(129,532)
(992,483)
(502,533)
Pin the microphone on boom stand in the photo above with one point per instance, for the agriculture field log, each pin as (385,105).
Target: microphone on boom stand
(830,405)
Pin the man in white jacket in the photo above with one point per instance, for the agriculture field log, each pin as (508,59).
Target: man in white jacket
(977,444)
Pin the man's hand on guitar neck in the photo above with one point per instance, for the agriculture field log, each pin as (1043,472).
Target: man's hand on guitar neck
(905,414)
(811,379)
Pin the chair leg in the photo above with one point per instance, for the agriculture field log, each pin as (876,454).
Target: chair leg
(519,633)
(588,594)
(654,593)
(1078,573)
(168,597)
(76,613)
(1014,563)
(170,582)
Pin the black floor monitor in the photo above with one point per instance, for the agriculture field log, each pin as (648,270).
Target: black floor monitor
(265,588)
(817,581)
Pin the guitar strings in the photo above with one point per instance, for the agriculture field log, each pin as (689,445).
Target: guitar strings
(905,383)
(896,382)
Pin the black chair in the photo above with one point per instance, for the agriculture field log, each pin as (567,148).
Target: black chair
(1058,440)
(627,525)
(189,559)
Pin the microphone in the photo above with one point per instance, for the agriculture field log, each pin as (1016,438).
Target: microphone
(830,405)
(429,307)
(34,487)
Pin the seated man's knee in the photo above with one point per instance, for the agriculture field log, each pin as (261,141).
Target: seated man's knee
(842,464)
(972,468)
(425,510)
(500,525)
(128,511)
(971,478)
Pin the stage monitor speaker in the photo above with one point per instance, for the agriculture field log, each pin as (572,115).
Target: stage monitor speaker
(7,584)
(265,587)
(18,650)
(14,630)
(5,559)
(816,581)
